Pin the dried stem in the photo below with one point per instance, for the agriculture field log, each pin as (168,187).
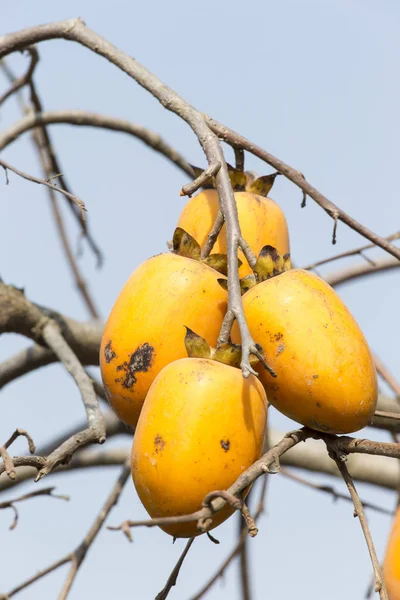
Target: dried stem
(6,166)
(239,159)
(206,175)
(174,575)
(212,236)
(78,555)
(359,512)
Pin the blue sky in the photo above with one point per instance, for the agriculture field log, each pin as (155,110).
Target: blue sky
(313,82)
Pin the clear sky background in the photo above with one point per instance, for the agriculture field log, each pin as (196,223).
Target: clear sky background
(314,82)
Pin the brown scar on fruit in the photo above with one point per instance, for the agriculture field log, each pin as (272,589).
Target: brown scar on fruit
(225,445)
(159,443)
(109,353)
(315,376)
(139,362)
(280,349)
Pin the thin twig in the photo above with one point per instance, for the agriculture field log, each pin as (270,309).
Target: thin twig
(212,236)
(359,512)
(354,252)
(361,270)
(384,372)
(328,489)
(46,150)
(9,466)
(171,581)
(239,159)
(43,492)
(78,555)
(202,179)
(20,82)
(6,166)
(238,546)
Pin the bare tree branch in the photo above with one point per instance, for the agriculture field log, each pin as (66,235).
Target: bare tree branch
(174,575)
(354,252)
(238,141)
(20,82)
(52,186)
(328,489)
(84,118)
(361,270)
(260,467)
(43,492)
(75,30)
(78,555)
(359,512)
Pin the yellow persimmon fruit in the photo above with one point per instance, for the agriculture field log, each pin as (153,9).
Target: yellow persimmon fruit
(391,564)
(201,426)
(261,221)
(326,377)
(145,330)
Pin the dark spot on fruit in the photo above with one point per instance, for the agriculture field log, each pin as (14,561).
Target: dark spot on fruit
(319,404)
(225,445)
(139,362)
(109,353)
(280,349)
(325,325)
(159,443)
(278,336)
(315,376)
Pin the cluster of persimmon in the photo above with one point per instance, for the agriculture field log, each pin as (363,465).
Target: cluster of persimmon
(198,423)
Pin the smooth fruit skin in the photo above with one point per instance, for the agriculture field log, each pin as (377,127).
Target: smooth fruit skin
(146,328)
(391,564)
(201,426)
(326,377)
(261,221)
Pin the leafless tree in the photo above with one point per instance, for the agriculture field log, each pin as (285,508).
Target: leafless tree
(56,337)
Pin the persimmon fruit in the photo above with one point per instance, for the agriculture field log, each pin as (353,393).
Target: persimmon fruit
(261,221)
(145,329)
(391,563)
(201,426)
(326,377)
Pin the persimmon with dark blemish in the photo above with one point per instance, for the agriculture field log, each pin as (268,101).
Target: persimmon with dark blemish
(326,377)
(186,432)
(147,325)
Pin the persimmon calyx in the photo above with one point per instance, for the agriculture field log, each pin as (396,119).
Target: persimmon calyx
(229,354)
(270,263)
(185,245)
(242,181)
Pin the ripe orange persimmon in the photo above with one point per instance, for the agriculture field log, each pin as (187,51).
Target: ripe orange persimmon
(145,330)
(391,564)
(326,377)
(201,426)
(261,221)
